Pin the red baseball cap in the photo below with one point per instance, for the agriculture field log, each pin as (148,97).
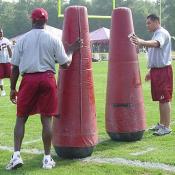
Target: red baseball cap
(39,13)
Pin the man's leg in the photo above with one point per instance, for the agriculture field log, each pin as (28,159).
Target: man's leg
(1,85)
(16,160)
(48,162)
(3,93)
(19,131)
(165,113)
(46,133)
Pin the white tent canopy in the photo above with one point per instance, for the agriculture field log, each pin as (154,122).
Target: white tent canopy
(100,35)
(54,31)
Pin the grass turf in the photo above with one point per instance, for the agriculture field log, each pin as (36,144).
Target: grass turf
(163,147)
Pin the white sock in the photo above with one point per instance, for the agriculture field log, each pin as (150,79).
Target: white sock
(1,82)
(16,154)
(47,157)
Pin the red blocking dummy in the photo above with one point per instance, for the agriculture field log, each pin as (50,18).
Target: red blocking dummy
(125,116)
(74,132)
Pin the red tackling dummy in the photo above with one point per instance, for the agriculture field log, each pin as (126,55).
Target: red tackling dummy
(75,132)
(125,116)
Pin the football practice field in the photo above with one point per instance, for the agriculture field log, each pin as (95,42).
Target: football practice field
(153,155)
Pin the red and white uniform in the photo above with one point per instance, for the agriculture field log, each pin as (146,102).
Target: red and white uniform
(5,66)
(36,54)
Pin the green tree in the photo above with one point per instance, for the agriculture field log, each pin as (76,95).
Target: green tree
(6,17)
(140,10)
(168,15)
(21,20)
(15,17)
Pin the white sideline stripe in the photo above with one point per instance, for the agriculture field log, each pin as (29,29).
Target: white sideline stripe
(2,134)
(117,161)
(101,140)
(133,154)
(135,163)
(33,141)
(30,151)
(142,152)
(121,161)
(172,123)
(5,106)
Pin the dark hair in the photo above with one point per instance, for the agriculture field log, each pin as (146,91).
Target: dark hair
(153,17)
(39,23)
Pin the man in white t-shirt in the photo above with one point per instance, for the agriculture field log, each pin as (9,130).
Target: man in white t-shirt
(160,74)
(5,55)
(34,57)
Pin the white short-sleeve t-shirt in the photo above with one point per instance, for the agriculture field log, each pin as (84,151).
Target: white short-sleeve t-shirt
(38,51)
(160,57)
(4,55)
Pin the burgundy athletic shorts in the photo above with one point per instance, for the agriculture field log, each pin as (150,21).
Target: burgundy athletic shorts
(162,84)
(37,95)
(5,70)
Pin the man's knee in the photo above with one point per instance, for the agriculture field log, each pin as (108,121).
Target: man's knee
(21,120)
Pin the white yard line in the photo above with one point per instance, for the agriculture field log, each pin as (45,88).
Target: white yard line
(30,151)
(133,154)
(135,163)
(172,123)
(102,140)
(5,106)
(33,141)
(103,160)
(142,152)
(2,134)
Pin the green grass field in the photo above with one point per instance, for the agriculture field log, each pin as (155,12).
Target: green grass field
(153,149)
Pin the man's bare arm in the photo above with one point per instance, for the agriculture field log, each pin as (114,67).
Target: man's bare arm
(13,81)
(9,51)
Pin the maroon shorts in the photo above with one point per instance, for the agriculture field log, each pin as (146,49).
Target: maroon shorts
(37,95)
(162,84)
(5,70)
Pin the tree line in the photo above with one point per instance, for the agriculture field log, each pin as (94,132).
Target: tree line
(15,17)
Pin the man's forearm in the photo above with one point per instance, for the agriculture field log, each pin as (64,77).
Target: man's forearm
(9,51)
(149,43)
(74,46)
(14,77)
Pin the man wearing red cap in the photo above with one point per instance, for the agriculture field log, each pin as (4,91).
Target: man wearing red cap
(34,58)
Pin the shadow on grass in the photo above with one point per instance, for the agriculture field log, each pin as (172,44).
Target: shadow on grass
(109,144)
